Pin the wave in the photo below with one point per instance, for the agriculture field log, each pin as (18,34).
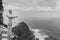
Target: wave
(39,34)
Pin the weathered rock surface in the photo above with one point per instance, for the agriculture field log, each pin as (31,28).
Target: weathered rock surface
(50,38)
(22,32)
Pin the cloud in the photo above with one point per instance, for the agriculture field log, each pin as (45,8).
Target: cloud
(25,5)
(30,11)
(26,8)
(10,7)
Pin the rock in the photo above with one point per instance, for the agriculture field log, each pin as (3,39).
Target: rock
(50,38)
(37,38)
(23,32)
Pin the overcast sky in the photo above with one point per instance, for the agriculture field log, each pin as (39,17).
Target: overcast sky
(42,9)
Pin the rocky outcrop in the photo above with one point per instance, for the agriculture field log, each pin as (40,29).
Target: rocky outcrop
(22,32)
(50,38)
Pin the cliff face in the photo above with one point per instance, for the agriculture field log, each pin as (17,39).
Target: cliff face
(1,6)
(1,12)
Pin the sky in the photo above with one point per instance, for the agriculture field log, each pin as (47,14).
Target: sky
(32,8)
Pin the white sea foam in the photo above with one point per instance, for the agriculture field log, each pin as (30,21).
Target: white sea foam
(38,34)
(4,39)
